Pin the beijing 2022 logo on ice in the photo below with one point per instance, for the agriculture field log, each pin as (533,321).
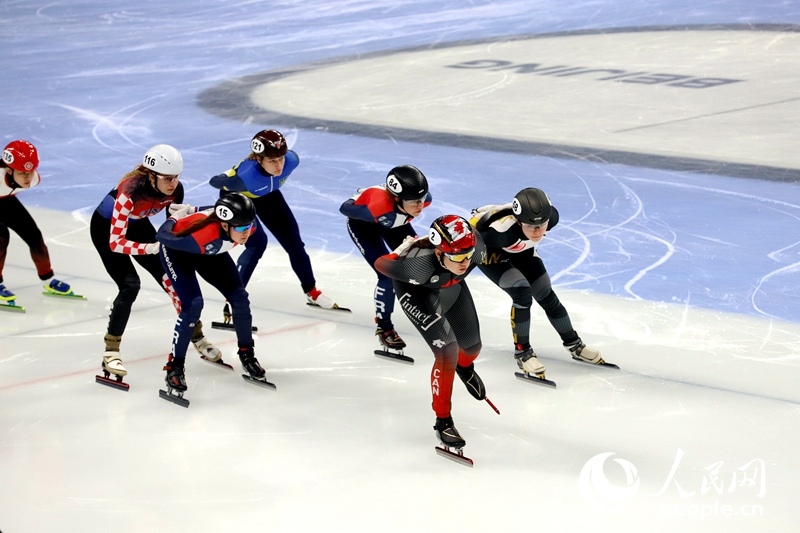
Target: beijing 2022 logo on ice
(603,494)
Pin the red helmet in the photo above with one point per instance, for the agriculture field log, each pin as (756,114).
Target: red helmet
(269,143)
(452,234)
(21,156)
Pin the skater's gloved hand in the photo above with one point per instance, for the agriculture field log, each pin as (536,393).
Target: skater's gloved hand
(407,243)
(152,248)
(486,208)
(179,211)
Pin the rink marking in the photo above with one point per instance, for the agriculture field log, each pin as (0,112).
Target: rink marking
(148,358)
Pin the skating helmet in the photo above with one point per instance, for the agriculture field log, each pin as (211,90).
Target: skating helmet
(21,156)
(407,183)
(163,159)
(452,235)
(269,143)
(531,206)
(235,209)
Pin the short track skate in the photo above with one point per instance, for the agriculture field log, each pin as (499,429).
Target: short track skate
(11,305)
(539,379)
(394,355)
(334,308)
(176,397)
(70,296)
(601,363)
(262,381)
(219,362)
(115,383)
(228,326)
(456,456)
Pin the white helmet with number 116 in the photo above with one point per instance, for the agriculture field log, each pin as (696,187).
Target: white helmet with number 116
(163,159)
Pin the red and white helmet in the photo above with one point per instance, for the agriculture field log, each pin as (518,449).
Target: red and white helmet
(452,234)
(21,156)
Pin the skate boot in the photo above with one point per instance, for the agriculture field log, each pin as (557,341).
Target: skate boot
(207,351)
(580,352)
(176,376)
(8,300)
(6,295)
(315,298)
(255,372)
(176,382)
(112,364)
(57,288)
(472,381)
(390,339)
(391,344)
(250,364)
(527,361)
(448,434)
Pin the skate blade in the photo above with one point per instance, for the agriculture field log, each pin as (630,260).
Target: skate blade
(174,398)
(12,307)
(601,363)
(457,456)
(218,362)
(394,356)
(496,410)
(535,379)
(228,327)
(334,308)
(67,296)
(115,383)
(262,382)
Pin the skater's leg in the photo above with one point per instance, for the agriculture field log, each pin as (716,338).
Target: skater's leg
(17,218)
(428,318)
(459,310)
(277,216)
(184,280)
(253,251)
(368,239)
(221,273)
(511,280)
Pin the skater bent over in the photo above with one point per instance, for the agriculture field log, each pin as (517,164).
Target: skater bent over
(429,279)
(197,245)
(18,167)
(121,230)
(260,177)
(511,233)
(378,220)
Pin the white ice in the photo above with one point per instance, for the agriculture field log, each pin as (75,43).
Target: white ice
(705,409)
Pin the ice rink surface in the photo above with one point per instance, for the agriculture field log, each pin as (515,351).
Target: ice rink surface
(677,255)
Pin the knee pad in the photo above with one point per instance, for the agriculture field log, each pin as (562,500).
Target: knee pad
(193,310)
(239,300)
(551,304)
(521,294)
(130,289)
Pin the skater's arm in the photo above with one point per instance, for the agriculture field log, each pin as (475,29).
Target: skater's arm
(187,243)
(228,181)
(119,229)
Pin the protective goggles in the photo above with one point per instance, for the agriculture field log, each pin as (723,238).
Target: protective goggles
(242,229)
(532,227)
(168,179)
(416,201)
(460,258)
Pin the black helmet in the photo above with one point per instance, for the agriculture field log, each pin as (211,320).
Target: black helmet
(235,209)
(531,206)
(407,183)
